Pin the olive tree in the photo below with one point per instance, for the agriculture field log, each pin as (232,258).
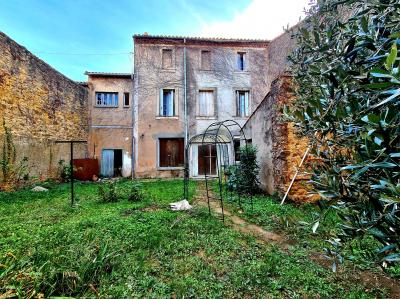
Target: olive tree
(346,73)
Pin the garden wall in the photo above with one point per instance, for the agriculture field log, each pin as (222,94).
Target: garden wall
(39,105)
(279,149)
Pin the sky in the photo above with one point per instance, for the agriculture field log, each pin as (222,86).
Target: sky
(75,36)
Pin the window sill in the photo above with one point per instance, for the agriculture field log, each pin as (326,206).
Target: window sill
(127,106)
(206,117)
(242,72)
(167,117)
(96,106)
(171,168)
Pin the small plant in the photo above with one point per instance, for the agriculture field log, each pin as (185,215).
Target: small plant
(64,171)
(108,192)
(136,193)
(232,180)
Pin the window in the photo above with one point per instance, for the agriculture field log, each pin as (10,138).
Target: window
(166,58)
(242,103)
(205,60)
(236,145)
(206,103)
(107,99)
(241,59)
(126,99)
(167,102)
(171,152)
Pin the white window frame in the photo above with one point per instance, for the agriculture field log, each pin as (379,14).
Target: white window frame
(174,101)
(239,112)
(103,104)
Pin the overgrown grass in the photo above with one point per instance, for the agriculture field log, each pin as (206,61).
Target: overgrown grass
(142,249)
(296,222)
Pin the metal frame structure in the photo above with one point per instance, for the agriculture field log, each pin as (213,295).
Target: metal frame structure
(220,134)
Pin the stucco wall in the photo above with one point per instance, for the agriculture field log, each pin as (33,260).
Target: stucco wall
(111,127)
(223,79)
(39,105)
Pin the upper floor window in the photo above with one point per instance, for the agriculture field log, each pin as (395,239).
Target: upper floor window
(242,103)
(206,103)
(126,99)
(167,58)
(107,99)
(206,60)
(167,102)
(241,61)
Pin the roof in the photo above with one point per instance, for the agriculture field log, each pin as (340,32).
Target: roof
(105,74)
(200,40)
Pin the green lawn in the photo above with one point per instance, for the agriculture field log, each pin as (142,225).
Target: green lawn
(125,250)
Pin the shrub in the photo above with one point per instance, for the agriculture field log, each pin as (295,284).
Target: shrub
(346,73)
(136,193)
(247,171)
(64,171)
(108,191)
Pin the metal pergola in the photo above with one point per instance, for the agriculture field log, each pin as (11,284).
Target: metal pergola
(221,135)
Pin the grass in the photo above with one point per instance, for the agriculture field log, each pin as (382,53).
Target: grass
(126,249)
(296,222)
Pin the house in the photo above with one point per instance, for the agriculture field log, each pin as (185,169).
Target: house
(180,86)
(110,117)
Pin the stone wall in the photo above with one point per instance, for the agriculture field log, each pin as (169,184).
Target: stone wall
(40,106)
(279,149)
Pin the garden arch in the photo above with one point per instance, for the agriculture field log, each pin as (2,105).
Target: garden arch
(219,137)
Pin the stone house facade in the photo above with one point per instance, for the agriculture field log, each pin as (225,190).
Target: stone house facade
(184,84)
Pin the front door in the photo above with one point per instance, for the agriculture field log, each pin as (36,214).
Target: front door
(107,163)
(207,159)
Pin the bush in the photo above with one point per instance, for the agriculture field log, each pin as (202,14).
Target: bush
(64,171)
(243,178)
(108,192)
(136,193)
(346,75)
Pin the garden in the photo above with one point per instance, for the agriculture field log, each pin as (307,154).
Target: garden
(138,247)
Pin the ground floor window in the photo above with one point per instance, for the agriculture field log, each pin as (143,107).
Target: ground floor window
(236,144)
(111,162)
(171,152)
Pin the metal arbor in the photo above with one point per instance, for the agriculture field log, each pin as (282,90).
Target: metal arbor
(219,138)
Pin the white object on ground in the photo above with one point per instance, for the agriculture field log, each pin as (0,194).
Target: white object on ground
(39,189)
(180,205)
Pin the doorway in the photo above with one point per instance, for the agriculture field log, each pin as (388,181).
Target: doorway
(207,159)
(111,162)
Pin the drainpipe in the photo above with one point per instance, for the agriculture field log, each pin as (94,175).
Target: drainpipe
(185,95)
(133,120)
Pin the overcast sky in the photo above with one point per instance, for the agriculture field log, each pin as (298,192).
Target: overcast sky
(96,35)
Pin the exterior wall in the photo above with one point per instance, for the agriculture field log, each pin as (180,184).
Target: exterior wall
(40,106)
(223,79)
(111,127)
(279,149)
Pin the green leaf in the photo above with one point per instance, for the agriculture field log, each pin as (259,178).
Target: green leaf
(391,57)
(392,97)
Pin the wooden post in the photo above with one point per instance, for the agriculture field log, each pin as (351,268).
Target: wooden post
(295,175)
